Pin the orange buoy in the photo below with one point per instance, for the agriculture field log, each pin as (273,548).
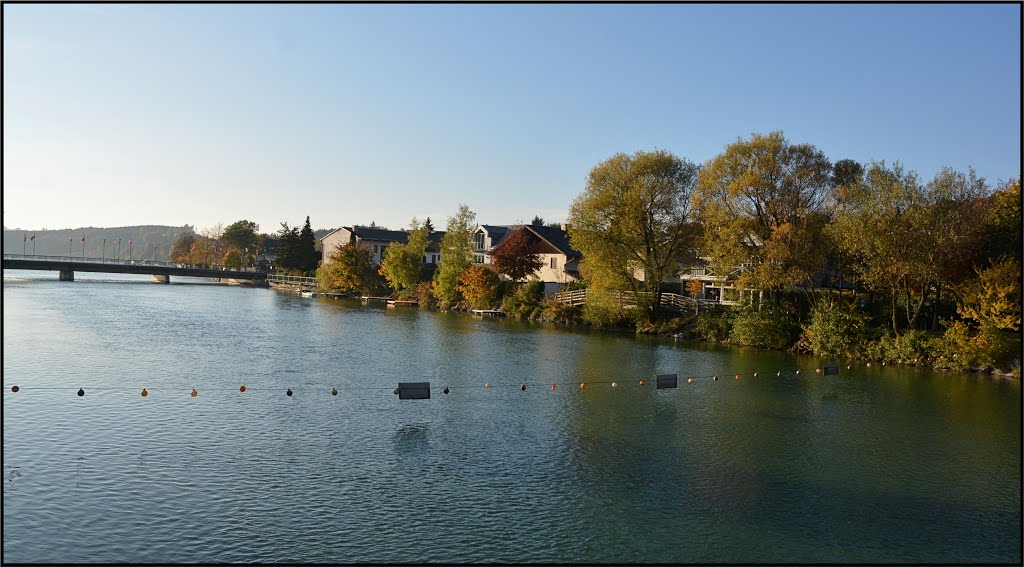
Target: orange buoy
(817,371)
(583,385)
(487,385)
(737,376)
(241,388)
(144,393)
(554,387)
(194,392)
(15,389)
(642,382)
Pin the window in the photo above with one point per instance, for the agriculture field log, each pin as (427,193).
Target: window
(554,263)
(478,240)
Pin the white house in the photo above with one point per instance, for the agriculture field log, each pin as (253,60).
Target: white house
(377,240)
(560,261)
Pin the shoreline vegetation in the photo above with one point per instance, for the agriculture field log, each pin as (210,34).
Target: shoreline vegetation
(848,260)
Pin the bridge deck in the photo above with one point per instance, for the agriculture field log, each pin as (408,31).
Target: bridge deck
(144,267)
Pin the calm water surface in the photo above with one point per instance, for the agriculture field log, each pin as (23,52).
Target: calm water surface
(873,465)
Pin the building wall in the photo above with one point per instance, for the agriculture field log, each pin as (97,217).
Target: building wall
(329,242)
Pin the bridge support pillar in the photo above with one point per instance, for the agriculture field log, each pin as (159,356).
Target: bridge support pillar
(67,276)
(161,279)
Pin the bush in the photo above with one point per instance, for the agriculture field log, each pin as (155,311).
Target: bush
(557,312)
(835,330)
(768,326)
(960,348)
(910,347)
(522,301)
(715,323)
(425,295)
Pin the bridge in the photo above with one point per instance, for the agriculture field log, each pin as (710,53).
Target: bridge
(66,266)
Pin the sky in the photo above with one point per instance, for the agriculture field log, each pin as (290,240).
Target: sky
(130,114)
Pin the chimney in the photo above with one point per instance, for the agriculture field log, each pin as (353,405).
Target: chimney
(565,226)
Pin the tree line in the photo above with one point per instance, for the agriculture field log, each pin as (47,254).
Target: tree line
(239,244)
(842,257)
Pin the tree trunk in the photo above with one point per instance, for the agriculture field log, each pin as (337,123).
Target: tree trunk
(895,329)
(935,310)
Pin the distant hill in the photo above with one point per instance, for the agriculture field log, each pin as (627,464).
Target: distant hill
(149,242)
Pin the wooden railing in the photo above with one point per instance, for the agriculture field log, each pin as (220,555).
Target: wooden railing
(671,301)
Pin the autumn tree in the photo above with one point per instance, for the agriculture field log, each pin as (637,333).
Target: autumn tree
(764,203)
(479,285)
(182,248)
(401,263)
(880,226)
(994,297)
(633,223)
(456,254)
(1001,229)
(350,270)
(516,256)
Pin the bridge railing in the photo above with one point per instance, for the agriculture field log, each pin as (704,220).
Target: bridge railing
(292,280)
(122,262)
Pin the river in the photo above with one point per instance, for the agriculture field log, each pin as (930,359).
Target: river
(870,465)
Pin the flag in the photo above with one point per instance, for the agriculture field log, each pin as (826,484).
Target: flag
(129,241)
(26,238)
(83,240)
(33,237)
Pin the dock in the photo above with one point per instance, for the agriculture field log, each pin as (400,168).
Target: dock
(374,298)
(398,302)
(490,312)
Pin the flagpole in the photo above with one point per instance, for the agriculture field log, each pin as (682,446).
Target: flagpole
(33,244)
(69,247)
(24,244)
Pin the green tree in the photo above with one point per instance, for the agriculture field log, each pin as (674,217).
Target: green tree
(402,263)
(516,256)
(537,221)
(456,254)
(289,257)
(350,270)
(634,221)
(764,203)
(241,235)
(306,249)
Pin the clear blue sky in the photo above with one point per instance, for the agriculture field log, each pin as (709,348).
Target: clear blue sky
(202,114)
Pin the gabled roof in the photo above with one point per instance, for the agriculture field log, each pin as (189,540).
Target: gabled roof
(368,233)
(555,237)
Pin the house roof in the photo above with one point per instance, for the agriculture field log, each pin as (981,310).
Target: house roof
(555,237)
(367,233)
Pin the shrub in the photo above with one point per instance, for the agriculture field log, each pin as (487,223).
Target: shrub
(522,301)
(768,326)
(557,312)
(715,323)
(835,330)
(960,348)
(425,295)
(910,347)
